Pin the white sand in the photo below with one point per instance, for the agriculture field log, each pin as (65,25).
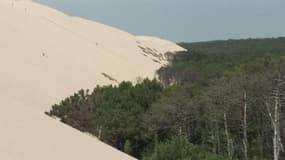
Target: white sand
(46,56)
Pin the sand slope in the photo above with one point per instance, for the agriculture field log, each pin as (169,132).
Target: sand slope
(46,56)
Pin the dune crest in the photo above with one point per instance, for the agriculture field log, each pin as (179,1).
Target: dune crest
(45,56)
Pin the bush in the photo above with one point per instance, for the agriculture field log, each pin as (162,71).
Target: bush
(178,148)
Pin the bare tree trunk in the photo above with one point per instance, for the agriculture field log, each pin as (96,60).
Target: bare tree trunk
(274,124)
(245,140)
(229,143)
(275,127)
(275,120)
(100,132)
(232,147)
(215,138)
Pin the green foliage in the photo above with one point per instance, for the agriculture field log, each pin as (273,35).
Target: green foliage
(128,147)
(178,148)
(201,86)
(217,74)
(207,60)
(113,113)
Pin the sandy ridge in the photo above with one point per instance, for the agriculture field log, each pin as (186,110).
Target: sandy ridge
(45,56)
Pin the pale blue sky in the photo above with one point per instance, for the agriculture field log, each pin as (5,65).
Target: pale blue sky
(184,20)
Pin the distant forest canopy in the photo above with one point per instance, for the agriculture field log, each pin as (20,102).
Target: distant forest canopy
(220,100)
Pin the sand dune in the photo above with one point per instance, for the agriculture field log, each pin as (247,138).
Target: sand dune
(45,56)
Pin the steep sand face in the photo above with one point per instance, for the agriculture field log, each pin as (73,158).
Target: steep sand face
(28,135)
(46,56)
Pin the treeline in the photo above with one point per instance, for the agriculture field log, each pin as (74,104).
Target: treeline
(115,114)
(219,100)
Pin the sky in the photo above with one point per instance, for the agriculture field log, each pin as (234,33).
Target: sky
(184,20)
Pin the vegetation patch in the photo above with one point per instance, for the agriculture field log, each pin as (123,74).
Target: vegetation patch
(220,100)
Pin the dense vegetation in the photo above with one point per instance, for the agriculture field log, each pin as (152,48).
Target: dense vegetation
(219,100)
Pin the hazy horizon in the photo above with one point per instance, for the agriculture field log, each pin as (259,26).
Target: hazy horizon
(184,20)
